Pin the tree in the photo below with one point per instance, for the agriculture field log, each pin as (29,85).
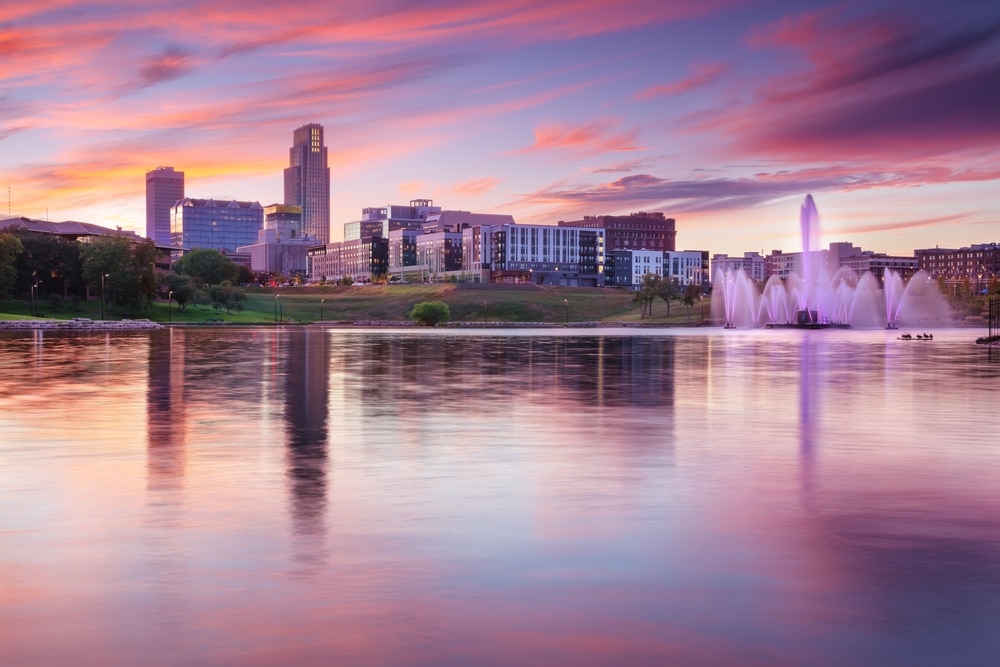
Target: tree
(669,290)
(227,296)
(129,276)
(210,265)
(10,248)
(180,289)
(430,313)
(649,289)
(51,260)
(692,293)
(244,275)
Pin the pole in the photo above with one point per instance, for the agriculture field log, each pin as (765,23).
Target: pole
(103,276)
(321,302)
(566,301)
(275,308)
(170,298)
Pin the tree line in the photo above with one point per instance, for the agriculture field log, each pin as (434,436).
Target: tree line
(124,272)
(654,286)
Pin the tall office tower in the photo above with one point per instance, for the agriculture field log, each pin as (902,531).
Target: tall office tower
(307,181)
(164,188)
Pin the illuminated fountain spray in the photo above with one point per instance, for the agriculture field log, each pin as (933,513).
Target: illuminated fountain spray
(815,299)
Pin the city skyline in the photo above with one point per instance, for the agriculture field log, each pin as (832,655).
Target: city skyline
(723,115)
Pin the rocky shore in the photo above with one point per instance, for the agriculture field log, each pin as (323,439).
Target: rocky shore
(78,323)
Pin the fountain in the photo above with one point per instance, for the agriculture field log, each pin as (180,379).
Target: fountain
(813,299)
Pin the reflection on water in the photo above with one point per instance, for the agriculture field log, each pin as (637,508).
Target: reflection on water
(301,496)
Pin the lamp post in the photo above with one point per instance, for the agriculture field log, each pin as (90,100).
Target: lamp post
(170,297)
(34,294)
(566,302)
(321,302)
(484,311)
(275,308)
(103,276)
(281,310)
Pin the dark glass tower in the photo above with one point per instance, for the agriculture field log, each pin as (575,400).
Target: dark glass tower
(164,188)
(307,181)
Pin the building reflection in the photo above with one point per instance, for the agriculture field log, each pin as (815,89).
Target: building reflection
(306,397)
(165,410)
(399,373)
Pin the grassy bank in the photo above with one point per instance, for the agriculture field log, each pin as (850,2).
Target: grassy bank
(468,303)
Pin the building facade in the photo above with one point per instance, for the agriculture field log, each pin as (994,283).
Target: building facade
(687,267)
(362,260)
(636,231)
(281,248)
(392,217)
(538,254)
(975,265)
(753,265)
(307,181)
(219,225)
(164,188)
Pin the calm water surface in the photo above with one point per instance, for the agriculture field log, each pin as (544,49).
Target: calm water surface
(599,497)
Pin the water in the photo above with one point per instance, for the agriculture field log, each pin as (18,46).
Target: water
(443,497)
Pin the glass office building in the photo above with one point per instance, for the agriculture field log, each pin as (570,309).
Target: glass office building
(221,225)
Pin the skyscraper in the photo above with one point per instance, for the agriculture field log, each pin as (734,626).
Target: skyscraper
(307,181)
(164,188)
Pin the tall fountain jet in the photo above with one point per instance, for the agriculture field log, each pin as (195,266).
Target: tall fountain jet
(809,222)
(817,296)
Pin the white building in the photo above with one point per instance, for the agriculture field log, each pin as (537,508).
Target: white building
(753,264)
(536,254)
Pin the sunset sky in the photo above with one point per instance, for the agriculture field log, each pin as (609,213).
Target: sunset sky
(720,113)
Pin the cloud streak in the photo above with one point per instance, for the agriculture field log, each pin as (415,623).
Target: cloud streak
(702,76)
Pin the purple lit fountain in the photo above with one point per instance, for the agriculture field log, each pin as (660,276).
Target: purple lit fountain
(807,296)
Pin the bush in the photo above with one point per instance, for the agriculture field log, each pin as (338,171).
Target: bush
(429,313)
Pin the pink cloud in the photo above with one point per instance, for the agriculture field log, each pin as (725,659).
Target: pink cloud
(703,75)
(590,138)
(478,186)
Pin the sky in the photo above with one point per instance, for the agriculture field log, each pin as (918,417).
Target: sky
(721,114)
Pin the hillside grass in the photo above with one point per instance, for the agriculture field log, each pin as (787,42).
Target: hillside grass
(467,303)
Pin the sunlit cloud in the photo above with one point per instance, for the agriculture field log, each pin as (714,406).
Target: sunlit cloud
(875,88)
(702,76)
(478,186)
(411,188)
(728,194)
(591,138)
(906,224)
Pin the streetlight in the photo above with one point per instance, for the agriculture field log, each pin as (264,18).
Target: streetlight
(170,297)
(321,302)
(275,308)
(484,311)
(103,276)
(566,301)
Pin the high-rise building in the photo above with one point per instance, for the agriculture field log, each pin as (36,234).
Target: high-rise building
(307,181)
(164,188)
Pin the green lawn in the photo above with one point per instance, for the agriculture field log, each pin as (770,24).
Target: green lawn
(393,303)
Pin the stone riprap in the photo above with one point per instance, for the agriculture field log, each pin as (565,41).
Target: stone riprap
(79,323)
